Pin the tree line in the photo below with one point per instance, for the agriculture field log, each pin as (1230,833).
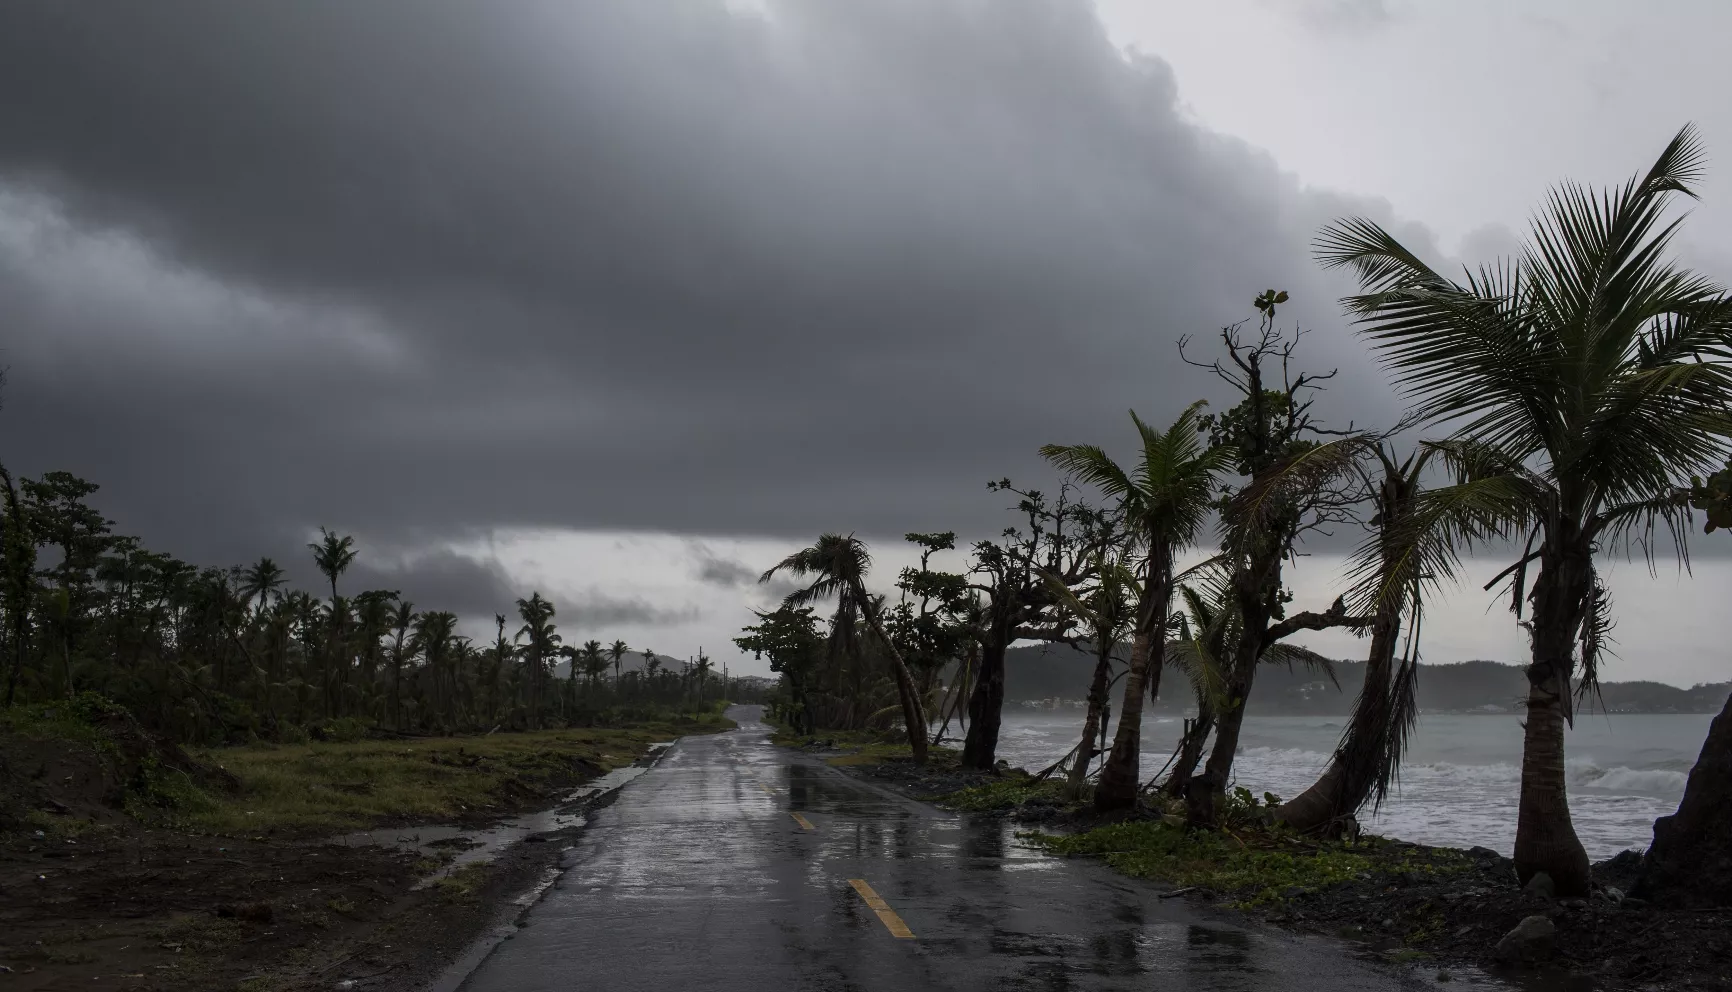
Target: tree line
(1564,403)
(217,655)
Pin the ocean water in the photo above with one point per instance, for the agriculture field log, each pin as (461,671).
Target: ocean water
(1462,776)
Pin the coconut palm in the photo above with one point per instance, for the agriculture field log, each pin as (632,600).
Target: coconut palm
(333,555)
(1585,379)
(1109,613)
(701,673)
(1164,497)
(595,662)
(615,653)
(1406,553)
(435,638)
(402,620)
(263,579)
(837,566)
(542,644)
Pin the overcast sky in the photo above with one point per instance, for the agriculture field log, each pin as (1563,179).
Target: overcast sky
(621,301)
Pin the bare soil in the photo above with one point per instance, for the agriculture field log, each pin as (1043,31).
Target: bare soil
(93,897)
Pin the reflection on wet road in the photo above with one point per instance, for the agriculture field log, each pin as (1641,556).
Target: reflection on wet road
(699,877)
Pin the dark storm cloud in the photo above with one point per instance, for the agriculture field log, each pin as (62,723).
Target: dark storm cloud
(412,267)
(441,580)
(729,573)
(593,611)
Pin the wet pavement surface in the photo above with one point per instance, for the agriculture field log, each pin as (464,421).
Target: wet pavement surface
(734,864)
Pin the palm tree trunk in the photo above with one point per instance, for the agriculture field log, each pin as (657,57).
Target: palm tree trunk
(1120,774)
(1087,748)
(912,716)
(1355,767)
(1545,838)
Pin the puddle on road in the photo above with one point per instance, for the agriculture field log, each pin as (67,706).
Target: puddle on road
(478,844)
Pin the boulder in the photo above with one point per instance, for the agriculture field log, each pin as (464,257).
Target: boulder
(1541,884)
(1530,942)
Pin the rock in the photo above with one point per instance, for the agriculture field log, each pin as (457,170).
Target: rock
(1542,884)
(1573,903)
(1613,894)
(1532,940)
(1483,853)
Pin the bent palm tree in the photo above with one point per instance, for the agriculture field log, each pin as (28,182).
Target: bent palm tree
(837,566)
(1587,381)
(1165,499)
(1409,550)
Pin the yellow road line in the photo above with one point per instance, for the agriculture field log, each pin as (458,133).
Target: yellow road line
(767,790)
(892,922)
(802,821)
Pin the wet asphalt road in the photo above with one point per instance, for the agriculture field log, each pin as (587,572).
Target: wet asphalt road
(702,876)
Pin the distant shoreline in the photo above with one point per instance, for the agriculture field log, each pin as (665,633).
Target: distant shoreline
(1319,686)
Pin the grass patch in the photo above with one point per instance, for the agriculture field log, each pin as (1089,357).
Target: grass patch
(1254,866)
(328,787)
(1004,794)
(464,884)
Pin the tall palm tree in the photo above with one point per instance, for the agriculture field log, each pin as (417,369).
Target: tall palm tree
(502,649)
(837,566)
(333,555)
(1586,382)
(1165,498)
(538,630)
(403,618)
(434,636)
(594,660)
(263,579)
(701,673)
(616,651)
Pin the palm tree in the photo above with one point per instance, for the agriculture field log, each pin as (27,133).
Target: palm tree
(502,649)
(1393,567)
(1586,382)
(538,628)
(594,660)
(615,652)
(333,555)
(701,672)
(402,619)
(1164,498)
(1108,612)
(263,579)
(434,632)
(837,566)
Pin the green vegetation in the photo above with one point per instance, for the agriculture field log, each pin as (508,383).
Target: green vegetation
(330,787)
(322,787)
(1251,865)
(210,656)
(1005,794)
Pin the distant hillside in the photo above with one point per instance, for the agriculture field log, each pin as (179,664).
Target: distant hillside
(1058,672)
(631,661)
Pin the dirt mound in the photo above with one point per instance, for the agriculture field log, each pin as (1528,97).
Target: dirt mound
(108,763)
